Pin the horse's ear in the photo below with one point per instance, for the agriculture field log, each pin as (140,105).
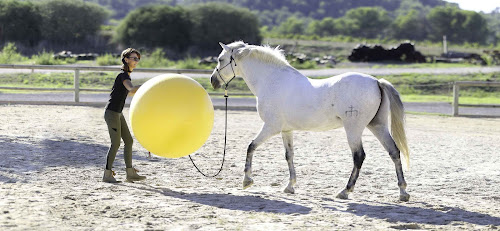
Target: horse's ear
(225,47)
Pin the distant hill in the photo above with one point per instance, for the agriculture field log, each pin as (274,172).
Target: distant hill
(319,9)
(280,9)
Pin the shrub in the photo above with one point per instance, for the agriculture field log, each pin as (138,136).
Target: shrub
(108,60)
(192,63)
(156,59)
(46,58)
(10,55)
(304,65)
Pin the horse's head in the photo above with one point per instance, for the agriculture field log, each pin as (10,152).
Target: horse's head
(227,67)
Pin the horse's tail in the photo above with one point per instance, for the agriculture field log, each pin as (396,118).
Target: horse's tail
(397,118)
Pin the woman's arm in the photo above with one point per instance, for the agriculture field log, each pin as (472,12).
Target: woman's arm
(130,87)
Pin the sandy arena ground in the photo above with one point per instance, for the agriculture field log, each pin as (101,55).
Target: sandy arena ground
(52,159)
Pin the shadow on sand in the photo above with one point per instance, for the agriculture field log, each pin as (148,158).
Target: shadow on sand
(25,154)
(435,215)
(231,202)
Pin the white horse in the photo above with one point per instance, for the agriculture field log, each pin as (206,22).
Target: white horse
(288,101)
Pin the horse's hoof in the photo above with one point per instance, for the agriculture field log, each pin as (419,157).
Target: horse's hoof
(404,197)
(343,195)
(247,182)
(290,190)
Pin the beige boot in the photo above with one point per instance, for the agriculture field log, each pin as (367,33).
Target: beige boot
(109,176)
(133,176)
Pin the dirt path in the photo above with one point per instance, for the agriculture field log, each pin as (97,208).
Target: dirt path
(52,158)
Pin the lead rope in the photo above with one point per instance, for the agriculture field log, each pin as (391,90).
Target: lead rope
(226,84)
(225,139)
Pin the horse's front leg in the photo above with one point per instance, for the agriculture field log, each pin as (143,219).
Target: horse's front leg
(247,180)
(288,142)
(265,133)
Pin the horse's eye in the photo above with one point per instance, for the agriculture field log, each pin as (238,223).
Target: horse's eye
(220,60)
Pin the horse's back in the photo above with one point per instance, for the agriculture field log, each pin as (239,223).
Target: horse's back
(322,104)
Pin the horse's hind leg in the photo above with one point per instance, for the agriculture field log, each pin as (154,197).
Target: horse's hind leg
(383,135)
(288,142)
(265,133)
(358,155)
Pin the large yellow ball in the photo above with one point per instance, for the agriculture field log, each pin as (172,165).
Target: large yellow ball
(171,115)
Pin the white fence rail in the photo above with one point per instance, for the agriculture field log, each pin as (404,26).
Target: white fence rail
(456,94)
(76,78)
(77,89)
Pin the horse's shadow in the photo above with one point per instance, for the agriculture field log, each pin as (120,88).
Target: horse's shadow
(231,202)
(434,215)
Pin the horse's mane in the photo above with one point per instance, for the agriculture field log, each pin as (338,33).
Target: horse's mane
(264,53)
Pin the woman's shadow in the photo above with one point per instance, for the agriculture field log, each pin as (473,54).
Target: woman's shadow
(229,201)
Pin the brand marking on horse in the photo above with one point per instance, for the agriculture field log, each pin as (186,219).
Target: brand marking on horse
(351,112)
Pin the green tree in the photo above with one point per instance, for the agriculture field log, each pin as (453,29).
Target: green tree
(444,21)
(410,26)
(494,26)
(475,27)
(292,26)
(371,21)
(121,8)
(220,22)
(156,26)
(67,22)
(346,26)
(274,18)
(19,22)
(325,27)
(458,25)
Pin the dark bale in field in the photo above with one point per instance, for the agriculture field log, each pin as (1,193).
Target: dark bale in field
(404,52)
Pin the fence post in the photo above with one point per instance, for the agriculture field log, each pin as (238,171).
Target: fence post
(445,45)
(456,88)
(77,85)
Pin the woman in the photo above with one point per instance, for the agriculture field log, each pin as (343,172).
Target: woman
(117,126)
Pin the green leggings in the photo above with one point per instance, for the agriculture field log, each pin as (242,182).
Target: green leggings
(118,129)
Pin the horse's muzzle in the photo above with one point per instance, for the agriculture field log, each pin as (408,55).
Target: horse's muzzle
(215,81)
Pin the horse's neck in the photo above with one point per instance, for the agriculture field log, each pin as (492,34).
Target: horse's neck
(262,77)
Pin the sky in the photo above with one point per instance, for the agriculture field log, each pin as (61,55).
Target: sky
(477,5)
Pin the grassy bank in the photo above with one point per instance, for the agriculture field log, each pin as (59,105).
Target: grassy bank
(412,87)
